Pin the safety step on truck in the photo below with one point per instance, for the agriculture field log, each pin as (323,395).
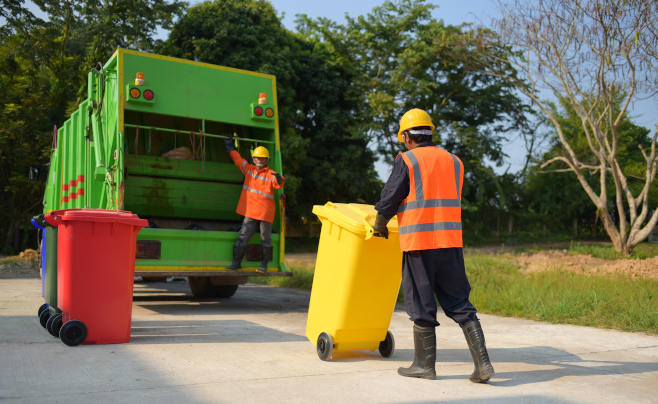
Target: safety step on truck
(150,139)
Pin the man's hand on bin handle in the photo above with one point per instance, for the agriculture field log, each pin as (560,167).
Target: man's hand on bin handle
(380,226)
(230,145)
(279,178)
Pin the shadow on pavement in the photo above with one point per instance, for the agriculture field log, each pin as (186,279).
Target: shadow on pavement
(534,398)
(562,362)
(206,331)
(175,298)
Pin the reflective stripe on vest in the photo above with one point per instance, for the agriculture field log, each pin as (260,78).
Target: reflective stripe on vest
(426,218)
(258,192)
(258,177)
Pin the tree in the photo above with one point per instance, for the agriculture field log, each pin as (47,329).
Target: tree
(591,54)
(401,58)
(324,157)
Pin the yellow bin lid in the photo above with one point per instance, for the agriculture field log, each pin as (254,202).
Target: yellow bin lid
(353,217)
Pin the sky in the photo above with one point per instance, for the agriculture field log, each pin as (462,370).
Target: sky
(644,113)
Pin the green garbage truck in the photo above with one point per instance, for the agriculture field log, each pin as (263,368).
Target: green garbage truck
(149,139)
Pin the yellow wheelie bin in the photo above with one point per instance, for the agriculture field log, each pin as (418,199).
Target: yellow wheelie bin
(356,282)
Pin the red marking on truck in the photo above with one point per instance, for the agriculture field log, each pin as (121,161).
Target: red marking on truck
(74,195)
(73,183)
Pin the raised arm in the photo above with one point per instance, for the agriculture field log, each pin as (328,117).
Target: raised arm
(241,163)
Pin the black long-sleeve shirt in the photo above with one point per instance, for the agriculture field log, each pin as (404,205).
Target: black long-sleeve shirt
(396,188)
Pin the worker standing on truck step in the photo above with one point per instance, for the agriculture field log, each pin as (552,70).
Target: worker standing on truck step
(424,190)
(256,202)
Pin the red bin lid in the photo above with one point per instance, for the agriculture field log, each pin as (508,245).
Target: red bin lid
(55,218)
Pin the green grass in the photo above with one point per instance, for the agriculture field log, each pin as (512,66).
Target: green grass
(559,297)
(302,277)
(598,250)
(614,302)
(302,244)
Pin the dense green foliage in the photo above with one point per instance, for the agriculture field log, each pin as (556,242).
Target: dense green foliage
(324,158)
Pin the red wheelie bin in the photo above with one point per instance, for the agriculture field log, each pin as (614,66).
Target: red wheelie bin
(95,273)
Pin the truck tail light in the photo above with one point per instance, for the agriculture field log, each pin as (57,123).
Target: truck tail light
(135,93)
(258,111)
(269,112)
(148,94)
(148,249)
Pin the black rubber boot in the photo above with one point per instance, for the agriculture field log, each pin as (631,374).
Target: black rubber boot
(238,254)
(475,339)
(424,355)
(267,253)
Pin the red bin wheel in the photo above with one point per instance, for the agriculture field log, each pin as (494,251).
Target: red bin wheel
(73,333)
(54,324)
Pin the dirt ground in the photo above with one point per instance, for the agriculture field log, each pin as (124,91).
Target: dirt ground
(560,259)
(25,265)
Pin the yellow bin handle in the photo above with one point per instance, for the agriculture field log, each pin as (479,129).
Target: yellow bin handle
(369,230)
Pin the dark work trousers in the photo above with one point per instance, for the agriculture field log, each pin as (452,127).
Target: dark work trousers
(249,227)
(441,273)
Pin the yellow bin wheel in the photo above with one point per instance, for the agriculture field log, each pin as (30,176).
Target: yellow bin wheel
(325,346)
(387,346)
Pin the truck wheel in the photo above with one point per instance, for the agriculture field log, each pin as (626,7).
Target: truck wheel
(42,308)
(43,318)
(154,278)
(325,346)
(73,333)
(201,286)
(387,346)
(226,291)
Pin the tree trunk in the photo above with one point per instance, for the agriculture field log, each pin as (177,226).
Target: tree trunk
(575,226)
(510,224)
(10,233)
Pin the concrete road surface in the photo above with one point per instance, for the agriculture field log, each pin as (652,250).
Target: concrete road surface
(251,349)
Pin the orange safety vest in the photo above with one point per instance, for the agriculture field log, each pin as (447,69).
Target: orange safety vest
(257,197)
(430,216)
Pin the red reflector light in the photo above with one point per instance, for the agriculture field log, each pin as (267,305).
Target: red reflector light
(258,111)
(148,94)
(269,112)
(148,250)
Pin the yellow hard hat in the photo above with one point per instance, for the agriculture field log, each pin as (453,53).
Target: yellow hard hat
(414,118)
(261,152)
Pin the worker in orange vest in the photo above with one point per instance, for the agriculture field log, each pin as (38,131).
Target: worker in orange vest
(424,190)
(256,202)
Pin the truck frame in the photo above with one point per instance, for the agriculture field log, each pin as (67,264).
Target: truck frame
(108,155)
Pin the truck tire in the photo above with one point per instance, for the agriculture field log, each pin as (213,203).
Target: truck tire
(201,286)
(226,291)
(154,278)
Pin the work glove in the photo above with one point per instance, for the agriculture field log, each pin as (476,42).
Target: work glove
(230,145)
(279,178)
(380,226)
